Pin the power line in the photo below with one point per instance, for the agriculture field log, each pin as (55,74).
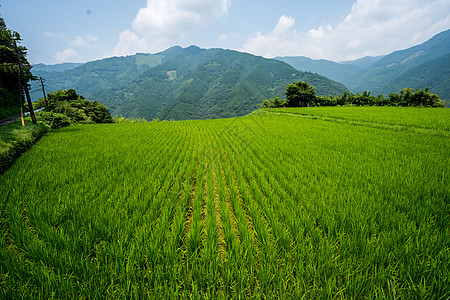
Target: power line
(52,58)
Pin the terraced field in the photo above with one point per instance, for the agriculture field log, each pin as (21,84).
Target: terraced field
(274,204)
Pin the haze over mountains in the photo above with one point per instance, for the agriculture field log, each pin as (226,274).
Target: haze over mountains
(193,83)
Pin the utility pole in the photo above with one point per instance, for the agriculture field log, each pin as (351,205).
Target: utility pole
(21,102)
(43,90)
(24,84)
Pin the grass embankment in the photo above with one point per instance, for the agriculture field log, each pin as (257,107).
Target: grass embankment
(15,139)
(263,206)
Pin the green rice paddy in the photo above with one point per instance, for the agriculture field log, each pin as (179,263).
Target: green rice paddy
(327,203)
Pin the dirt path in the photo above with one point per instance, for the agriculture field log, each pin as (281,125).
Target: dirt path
(9,119)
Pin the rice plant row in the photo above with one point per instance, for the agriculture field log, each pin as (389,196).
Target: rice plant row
(264,206)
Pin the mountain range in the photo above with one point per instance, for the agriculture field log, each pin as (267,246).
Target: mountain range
(338,71)
(184,83)
(423,65)
(194,83)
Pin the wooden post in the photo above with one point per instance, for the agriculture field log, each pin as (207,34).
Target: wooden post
(24,84)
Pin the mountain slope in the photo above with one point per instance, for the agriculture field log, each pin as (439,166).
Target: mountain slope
(330,69)
(219,83)
(90,77)
(395,64)
(363,62)
(39,68)
(435,74)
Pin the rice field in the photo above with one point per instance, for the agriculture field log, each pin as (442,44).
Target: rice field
(271,205)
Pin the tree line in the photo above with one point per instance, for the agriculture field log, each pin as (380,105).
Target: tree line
(302,94)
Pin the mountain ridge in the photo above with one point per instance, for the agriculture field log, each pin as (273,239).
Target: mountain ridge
(225,84)
(185,83)
(397,63)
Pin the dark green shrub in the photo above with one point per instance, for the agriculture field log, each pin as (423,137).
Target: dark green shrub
(53,120)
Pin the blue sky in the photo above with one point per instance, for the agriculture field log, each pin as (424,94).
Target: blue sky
(56,31)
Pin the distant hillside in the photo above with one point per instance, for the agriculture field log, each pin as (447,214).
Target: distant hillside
(90,77)
(363,62)
(225,84)
(435,74)
(184,83)
(330,69)
(397,63)
(37,69)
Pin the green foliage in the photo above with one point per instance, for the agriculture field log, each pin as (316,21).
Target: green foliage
(275,102)
(303,94)
(9,71)
(73,107)
(300,94)
(53,120)
(225,209)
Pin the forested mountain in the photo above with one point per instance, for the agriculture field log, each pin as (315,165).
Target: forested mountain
(434,74)
(386,70)
(363,62)
(90,77)
(416,67)
(330,69)
(40,68)
(185,83)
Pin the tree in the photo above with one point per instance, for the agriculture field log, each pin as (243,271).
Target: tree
(75,107)
(9,72)
(300,94)
(275,102)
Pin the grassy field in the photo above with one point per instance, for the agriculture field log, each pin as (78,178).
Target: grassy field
(268,205)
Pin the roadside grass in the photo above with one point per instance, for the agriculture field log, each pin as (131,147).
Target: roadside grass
(16,139)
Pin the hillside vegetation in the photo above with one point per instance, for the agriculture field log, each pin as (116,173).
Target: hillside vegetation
(333,70)
(288,203)
(386,70)
(417,67)
(185,83)
(435,74)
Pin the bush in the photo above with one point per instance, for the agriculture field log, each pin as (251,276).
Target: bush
(53,120)
(74,107)
(275,102)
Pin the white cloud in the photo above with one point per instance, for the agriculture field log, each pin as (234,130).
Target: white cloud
(371,28)
(85,40)
(163,23)
(68,55)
